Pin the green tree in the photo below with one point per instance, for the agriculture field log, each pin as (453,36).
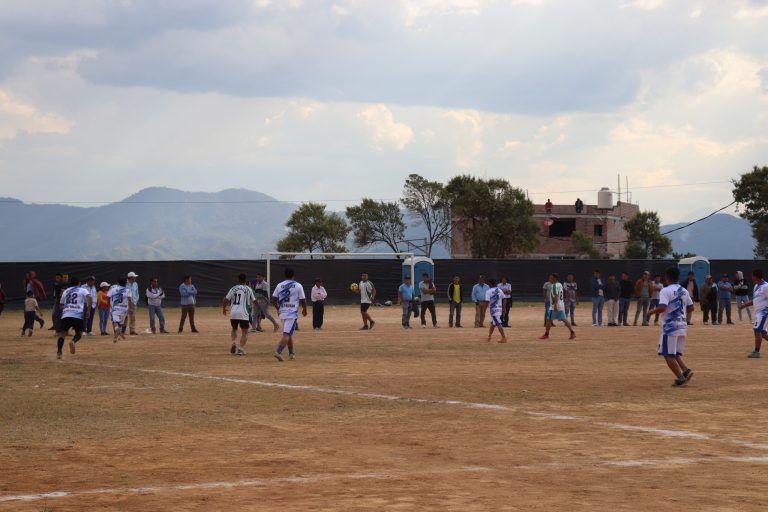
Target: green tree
(312,229)
(427,202)
(377,221)
(497,217)
(751,192)
(644,229)
(682,255)
(582,244)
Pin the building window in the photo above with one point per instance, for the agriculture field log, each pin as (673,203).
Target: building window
(598,230)
(562,227)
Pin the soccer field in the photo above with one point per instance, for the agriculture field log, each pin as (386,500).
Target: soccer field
(382,420)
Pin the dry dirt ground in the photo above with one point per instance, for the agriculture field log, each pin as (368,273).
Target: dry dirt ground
(428,419)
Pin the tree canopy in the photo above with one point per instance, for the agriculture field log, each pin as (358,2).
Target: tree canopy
(377,221)
(311,229)
(645,238)
(750,191)
(582,244)
(426,201)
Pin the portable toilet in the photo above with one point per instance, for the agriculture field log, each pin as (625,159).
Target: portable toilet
(699,265)
(419,265)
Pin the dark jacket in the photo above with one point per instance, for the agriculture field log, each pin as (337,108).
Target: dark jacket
(627,288)
(684,284)
(741,288)
(612,290)
(595,288)
(461,292)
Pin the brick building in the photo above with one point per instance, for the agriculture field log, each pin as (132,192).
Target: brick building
(602,224)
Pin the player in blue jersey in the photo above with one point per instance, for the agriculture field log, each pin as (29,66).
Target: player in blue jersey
(287,298)
(674,305)
(497,301)
(760,301)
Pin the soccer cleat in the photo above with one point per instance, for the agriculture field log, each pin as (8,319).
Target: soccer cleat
(423,326)
(572,336)
(688,374)
(42,323)
(29,334)
(544,337)
(680,381)
(76,337)
(114,339)
(291,356)
(488,339)
(754,355)
(364,328)
(241,351)
(71,346)
(134,333)
(279,356)
(23,332)
(503,340)
(372,324)
(58,355)
(233,349)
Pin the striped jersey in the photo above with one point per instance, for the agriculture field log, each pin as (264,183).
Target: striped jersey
(74,300)
(495,298)
(118,297)
(674,319)
(289,295)
(240,299)
(760,298)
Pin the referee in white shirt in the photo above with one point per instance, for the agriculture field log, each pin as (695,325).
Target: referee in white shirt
(318,296)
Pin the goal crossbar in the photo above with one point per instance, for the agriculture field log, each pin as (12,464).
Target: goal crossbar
(270,255)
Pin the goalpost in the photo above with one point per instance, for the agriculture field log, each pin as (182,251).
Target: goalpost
(271,255)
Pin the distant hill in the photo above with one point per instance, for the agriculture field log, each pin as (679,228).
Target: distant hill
(154,224)
(721,236)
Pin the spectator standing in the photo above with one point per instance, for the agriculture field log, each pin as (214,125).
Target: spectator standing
(598,299)
(31,312)
(741,291)
(261,291)
(612,291)
(709,300)
(548,206)
(133,289)
(188,294)
(547,291)
(455,297)
(643,292)
(90,284)
(506,288)
(657,287)
(725,288)
(405,298)
(427,291)
(571,297)
(693,291)
(479,292)
(625,296)
(579,207)
(102,305)
(318,296)
(155,296)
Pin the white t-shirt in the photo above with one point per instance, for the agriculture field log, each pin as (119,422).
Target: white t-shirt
(118,297)
(241,300)
(74,300)
(495,298)
(366,292)
(677,300)
(289,293)
(657,287)
(506,288)
(760,298)
(318,293)
(556,295)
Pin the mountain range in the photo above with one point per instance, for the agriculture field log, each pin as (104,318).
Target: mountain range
(161,223)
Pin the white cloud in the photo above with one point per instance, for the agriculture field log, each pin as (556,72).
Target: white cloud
(385,131)
(17,115)
(646,5)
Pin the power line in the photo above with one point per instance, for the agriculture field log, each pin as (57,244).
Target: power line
(633,188)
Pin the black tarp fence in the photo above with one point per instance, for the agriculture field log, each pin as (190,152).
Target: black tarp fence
(214,278)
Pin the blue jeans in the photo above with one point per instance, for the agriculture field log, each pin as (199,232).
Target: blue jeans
(654,303)
(725,304)
(570,308)
(156,310)
(546,312)
(623,311)
(597,310)
(103,319)
(454,308)
(89,322)
(743,299)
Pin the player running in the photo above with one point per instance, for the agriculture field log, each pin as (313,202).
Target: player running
(240,300)
(557,308)
(75,304)
(367,293)
(120,298)
(760,301)
(287,297)
(497,301)
(674,305)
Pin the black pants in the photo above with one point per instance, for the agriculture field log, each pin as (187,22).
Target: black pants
(318,309)
(428,305)
(505,314)
(710,308)
(29,320)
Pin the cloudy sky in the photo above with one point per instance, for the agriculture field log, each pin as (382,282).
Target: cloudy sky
(341,99)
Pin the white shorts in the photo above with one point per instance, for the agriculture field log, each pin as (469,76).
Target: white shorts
(118,317)
(761,323)
(496,319)
(289,325)
(670,345)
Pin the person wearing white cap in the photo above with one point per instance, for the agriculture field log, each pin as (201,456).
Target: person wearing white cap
(133,287)
(102,305)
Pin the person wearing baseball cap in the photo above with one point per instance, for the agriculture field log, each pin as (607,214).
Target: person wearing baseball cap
(102,305)
(133,286)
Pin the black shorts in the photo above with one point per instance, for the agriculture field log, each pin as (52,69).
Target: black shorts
(364,306)
(71,323)
(243,324)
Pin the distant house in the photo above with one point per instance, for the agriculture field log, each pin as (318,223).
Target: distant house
(605,225)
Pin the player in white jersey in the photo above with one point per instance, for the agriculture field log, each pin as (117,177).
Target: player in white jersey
(674,306)
(497,301)
(120,299)
(240,300)
(557,308)
(367,293)
(75,305)
(287,298)
(760,301)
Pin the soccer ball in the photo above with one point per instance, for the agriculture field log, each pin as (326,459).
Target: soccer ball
(354,287)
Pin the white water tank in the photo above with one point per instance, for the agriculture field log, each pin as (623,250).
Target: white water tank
(604,199)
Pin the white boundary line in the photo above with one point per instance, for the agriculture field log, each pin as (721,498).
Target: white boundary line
(668,433)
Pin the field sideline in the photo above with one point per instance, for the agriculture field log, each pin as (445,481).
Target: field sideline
(382,420)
